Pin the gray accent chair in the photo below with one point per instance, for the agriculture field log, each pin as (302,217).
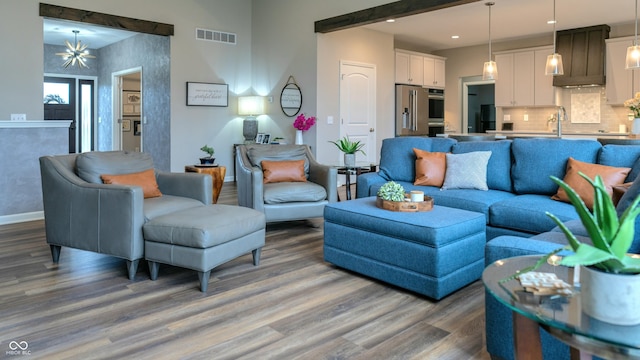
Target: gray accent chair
(284,201)
(82,213)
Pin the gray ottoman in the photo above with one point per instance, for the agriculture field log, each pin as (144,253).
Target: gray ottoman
(202,238)
(432,253)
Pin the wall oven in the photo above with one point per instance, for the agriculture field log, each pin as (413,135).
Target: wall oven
(436,111)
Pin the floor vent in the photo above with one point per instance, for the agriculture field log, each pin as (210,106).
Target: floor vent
(216,36)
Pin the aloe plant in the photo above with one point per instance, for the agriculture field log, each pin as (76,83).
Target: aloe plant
(611,236)
(347,146)
(391,191)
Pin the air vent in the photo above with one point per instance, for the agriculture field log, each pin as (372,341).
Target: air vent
(215,36)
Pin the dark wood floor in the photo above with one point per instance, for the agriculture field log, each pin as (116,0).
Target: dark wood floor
(293,306)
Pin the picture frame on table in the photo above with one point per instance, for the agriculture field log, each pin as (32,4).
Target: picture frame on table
(207,94)
(266,138)
(259,138)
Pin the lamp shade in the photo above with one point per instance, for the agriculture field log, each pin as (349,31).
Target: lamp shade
(250,105)
(633,57)
(490,71)
(554,65)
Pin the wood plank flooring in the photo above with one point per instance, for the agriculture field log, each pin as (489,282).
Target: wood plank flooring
(293,306)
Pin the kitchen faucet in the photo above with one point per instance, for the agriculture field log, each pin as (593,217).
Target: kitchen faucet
(562,116)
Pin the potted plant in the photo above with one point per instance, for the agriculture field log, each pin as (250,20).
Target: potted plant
(610,280)
(208,160)
(349,148)
(391,191)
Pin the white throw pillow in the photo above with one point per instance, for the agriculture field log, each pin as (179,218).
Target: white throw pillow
(467,171)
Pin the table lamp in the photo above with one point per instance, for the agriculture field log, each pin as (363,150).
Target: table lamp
(250,106)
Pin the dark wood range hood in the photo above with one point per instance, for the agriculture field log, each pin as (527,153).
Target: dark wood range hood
(583,56)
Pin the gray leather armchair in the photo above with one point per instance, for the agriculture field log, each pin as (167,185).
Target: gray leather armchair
(284,201)
(82,213)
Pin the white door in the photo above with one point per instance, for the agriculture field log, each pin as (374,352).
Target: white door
(358,107)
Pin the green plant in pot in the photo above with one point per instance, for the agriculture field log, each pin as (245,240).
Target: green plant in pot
(610,277)
(349,148)
(207,160)
(391,191)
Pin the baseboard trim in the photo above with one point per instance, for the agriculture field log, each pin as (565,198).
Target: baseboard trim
(24,217)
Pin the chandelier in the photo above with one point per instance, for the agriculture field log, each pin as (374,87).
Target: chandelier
(75,53)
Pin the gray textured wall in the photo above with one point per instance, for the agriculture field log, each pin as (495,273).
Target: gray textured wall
(151,52)
(20,150)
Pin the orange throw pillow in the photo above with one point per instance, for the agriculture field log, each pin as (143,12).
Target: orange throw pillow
(611,176)
(430,168)
(145,179)
(283,171)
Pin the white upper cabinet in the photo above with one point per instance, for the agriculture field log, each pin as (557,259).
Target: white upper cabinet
(521,80)
(515,82)
(544,94)
(409,69)
(622,84)
(434,72)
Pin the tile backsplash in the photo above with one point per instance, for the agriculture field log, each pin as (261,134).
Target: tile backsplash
(577,102)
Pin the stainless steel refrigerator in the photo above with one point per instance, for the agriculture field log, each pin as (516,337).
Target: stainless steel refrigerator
(412,111)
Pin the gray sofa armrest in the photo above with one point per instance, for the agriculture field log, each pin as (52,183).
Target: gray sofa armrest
(102,218)
(326,176)
(192,185)
(249,185)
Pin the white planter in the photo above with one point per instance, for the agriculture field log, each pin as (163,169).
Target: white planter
(299,137)
(350,160)
(611,298)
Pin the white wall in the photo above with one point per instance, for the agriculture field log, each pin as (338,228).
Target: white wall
(363,46)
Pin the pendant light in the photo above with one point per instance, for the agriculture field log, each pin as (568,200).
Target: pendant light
(490,69)
(633,52)
(75,53)
(554,62)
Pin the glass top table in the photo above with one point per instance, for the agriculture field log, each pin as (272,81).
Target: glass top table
(561,316)
(358,169)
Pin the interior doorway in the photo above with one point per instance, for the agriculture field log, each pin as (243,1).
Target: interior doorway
(127,108)
(72,98)
(478,105)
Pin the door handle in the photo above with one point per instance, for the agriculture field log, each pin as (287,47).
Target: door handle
(372,130)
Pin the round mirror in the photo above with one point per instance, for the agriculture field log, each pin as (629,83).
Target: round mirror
(291,99)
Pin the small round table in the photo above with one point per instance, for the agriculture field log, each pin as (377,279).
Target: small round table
(356,170)
(561,316)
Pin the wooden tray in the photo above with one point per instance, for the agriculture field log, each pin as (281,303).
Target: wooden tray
(406,206)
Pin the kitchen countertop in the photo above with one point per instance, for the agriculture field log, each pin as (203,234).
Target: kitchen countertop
(611,137)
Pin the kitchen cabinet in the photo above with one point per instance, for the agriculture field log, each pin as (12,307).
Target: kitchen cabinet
(515,83)
(521,79)
(544,92)
(434,68)
(409,68)
(622,84)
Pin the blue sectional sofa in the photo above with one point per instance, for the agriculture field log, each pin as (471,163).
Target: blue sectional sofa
(519,195)
(518,173)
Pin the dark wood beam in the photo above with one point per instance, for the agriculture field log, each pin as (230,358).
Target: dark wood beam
(393,10)
(113,21)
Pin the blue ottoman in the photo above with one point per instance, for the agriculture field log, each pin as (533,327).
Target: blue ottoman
(433,253)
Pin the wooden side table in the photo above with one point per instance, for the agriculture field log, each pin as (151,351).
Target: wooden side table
(217,173)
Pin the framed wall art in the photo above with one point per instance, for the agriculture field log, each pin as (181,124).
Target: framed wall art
(207,94)
(126,125)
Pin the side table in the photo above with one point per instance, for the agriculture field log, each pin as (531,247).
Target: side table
(217,173)
(357,170)
(561,316)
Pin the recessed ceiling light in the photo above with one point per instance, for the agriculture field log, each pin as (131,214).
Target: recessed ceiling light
(455,36)
(391,20)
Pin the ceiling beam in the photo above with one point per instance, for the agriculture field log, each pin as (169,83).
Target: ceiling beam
(392,10)
(112,21)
